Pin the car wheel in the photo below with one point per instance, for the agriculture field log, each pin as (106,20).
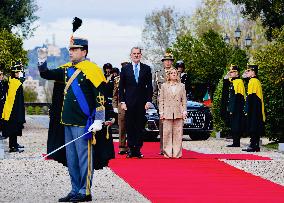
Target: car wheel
(199,136)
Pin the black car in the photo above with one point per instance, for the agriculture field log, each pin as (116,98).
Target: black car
(198,124)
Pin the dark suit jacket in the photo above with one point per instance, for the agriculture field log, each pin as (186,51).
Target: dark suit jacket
(130,92)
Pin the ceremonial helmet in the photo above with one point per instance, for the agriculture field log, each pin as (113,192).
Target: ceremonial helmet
(253,67)
(180,64)
(234,68)
(17,66)
(168,56)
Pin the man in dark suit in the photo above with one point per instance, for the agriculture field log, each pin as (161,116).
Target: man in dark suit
(135,94)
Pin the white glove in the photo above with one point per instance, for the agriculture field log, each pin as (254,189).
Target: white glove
(42,55)
(21,74)
(96,126)
(115,110)
(227,76)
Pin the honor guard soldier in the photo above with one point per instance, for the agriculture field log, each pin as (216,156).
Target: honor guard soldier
(159,79)
(83,112)
(13,114)
(123,149)
(3,90)
(180,66)
(236,105)
(254,109)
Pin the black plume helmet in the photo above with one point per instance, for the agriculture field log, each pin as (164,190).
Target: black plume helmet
(77,22)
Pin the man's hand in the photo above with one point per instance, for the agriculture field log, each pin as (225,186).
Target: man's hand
(96,126)
(123,106)
(42,55)
(147,105)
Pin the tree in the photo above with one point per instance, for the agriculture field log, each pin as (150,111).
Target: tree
(11,49)
(206,58)
(160,31)
(206,17)
(270,12)
(271,74)
(30,95)
(18,15)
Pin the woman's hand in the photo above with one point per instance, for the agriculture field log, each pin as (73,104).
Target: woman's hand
(184,114)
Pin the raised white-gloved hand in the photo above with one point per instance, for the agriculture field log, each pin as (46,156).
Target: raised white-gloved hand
(21,74)
(227,76)
(115,110)
(96,126)
(42,55)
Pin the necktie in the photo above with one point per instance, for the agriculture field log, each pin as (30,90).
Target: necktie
(136,74)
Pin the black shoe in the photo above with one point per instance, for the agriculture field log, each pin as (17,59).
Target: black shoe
(140,155)
(161,153)
(67,198)
(233,145)
(81,198)
(20,146)
(15,150)
(122,152)
(129,155)
(252,149)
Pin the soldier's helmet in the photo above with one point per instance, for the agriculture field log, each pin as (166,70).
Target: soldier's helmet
(180,64)
(115,70)
(168,56)
(17,66)
(78,42)
(234,68)
(253,67)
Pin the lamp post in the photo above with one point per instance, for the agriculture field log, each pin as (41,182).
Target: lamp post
(237,35)
(227,39)
(248,41)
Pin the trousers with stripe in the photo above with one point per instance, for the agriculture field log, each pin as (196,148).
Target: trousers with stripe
(79,160)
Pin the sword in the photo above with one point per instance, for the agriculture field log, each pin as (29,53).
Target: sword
(64,145)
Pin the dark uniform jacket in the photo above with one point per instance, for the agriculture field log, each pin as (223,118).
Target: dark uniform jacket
(236,105)
(255,108)
(3,91)
(71,113)
(14,126)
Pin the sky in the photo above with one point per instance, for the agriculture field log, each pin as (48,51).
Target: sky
(112,27)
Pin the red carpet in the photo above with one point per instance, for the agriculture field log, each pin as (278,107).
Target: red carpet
(194,178)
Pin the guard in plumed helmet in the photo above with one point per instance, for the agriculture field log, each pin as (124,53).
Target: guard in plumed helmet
(236,105)
(159,79)
(254,108)
(13,114)
(83,113)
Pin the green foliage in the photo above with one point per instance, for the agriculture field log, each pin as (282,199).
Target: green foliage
(18,14)
(218,121)
(271,74)
(11,49)
(270,12)
(30,110)
(30,95)
(206,17)
(207,57)
(37,110)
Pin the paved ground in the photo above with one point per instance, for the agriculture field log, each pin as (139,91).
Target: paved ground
(26,178)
